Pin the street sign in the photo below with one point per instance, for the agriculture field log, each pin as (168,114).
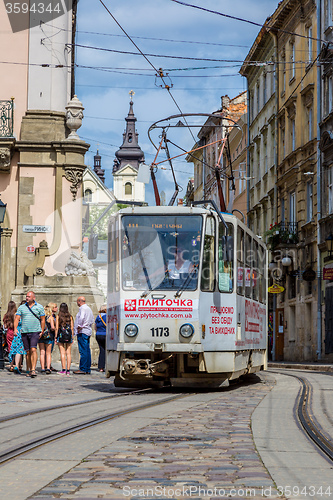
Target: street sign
(309,275)
(36,229)
(30,249)
(275,289)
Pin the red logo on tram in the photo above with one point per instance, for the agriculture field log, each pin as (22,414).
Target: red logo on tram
(130,305)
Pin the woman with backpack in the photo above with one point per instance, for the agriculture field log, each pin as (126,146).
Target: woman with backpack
(8,323)
(64,337)
(100,326)
(46,340)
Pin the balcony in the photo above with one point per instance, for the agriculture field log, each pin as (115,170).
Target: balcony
(282,234)
(6,118)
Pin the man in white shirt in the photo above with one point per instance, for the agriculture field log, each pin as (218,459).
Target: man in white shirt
(83,330)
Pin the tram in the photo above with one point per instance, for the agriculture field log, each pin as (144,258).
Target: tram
(187,298)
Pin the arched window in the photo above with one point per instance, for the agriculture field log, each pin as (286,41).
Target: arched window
(128,188)
(88,196)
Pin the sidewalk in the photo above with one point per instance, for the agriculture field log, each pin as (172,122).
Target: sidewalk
(306,365)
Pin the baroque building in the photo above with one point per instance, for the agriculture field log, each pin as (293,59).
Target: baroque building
(283,163)
(126,164)
(325,178)
(41,161)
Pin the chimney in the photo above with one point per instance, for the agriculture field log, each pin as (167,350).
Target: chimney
(225,102)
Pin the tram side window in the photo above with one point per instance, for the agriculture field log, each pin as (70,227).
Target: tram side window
(208,258)
(240,261)
(262,278)
(226,258)
(255,272)
(248,265)
(113,258)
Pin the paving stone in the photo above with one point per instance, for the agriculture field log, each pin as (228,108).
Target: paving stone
(214,450)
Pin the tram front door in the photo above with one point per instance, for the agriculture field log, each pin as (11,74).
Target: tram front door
(279,334)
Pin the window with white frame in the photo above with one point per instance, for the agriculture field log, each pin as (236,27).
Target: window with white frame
(88,195)
(283,141)
(293,134)
(309,201)
(283,210)
(292,60)
(258,98)
(310,123)
(265,157)
(258,163)
(327,13)
(251,106)
(309,43)
(292,207)
(283,88)
(330,189)
(330,94)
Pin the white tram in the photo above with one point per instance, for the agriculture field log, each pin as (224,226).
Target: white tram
(187,298)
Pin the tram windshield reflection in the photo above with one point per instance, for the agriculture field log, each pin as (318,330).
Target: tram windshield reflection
(160,252)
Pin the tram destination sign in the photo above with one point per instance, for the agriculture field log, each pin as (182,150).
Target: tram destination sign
(36,229)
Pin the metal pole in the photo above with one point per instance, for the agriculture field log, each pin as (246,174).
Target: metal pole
(319,118)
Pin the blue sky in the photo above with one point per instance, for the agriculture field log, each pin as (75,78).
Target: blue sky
(158,27)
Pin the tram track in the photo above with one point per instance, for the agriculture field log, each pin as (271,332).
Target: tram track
(36,411)
(16,451)
(306,418)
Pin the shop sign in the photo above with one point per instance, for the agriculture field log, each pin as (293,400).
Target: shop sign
(275,289)
(309,275)
(30,249)
(328,273)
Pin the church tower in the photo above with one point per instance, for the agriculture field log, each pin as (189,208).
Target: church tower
(126,163)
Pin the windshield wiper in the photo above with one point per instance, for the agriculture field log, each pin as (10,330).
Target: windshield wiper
(187,280)
(147,292)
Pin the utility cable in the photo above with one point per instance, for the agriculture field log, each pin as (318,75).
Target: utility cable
(229,16)
(159,72)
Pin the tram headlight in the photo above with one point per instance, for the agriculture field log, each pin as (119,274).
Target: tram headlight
(186,330)
(131,330)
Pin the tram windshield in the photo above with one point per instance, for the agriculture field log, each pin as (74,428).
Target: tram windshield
(160,252)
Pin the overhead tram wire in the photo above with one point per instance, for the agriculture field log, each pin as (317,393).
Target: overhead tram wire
(235,18)
(166,86)
(151,38)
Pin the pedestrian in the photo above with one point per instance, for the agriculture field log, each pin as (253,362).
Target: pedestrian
(64,337)
(17,351)
(54,308)
(33,324)
(83,330)
(100,326)
(8,323)
(46,340)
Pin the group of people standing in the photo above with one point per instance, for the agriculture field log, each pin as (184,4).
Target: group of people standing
(32,325)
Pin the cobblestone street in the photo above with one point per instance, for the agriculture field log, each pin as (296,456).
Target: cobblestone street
(203,452)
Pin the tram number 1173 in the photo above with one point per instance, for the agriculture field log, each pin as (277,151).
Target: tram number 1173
(160,332)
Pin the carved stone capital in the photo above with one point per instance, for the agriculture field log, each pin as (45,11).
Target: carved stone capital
(6,232)
(74,174)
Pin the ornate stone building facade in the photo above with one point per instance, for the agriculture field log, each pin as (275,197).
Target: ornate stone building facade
(326,173)
(41,164)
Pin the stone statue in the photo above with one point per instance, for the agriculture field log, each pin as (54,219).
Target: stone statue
(5,159)
(79,265)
